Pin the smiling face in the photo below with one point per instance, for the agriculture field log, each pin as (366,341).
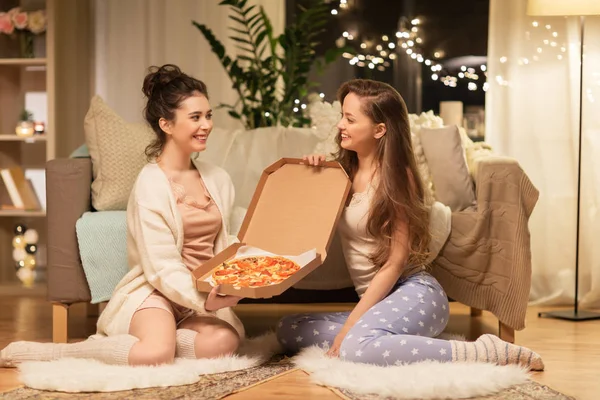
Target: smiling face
(357,131)
(192,124)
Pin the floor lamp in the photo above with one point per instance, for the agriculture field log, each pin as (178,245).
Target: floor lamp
(579,8)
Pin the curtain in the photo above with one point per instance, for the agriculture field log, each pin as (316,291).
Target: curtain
(532,114)
(132,35)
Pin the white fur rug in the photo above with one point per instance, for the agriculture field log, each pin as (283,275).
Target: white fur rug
(427,380)
(85,375)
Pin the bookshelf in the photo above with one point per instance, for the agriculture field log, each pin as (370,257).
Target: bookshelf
(22,213)
(15,138)
(23,61)
(19,76)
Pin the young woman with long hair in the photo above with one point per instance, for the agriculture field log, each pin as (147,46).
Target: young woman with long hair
(385,236)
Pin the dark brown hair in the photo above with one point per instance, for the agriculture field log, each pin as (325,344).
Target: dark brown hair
(166,87)
(399,195)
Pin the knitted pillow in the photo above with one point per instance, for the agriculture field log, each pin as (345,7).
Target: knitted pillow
(117,152)
(423,168)
(445,154)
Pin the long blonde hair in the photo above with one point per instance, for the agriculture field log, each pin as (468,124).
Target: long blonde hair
(399,196)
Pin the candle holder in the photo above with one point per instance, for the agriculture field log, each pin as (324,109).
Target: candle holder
(39,128)
(24,129)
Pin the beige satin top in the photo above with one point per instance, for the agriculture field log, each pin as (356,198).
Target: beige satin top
(201,224)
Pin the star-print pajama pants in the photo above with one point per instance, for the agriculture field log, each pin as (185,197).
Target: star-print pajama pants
(400,329)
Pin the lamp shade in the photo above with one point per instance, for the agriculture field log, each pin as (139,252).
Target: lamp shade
(563,7)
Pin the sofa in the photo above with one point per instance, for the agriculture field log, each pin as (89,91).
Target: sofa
(485,263)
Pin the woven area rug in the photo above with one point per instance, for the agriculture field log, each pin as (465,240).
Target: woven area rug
(217,386)
(527,391)
(258,362)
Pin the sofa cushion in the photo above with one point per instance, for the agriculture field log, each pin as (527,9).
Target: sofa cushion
(423,168)
(102,239)
(80,152)
(448,165)
(117,151)
(245,154)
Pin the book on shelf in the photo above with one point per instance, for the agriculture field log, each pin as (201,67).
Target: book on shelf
(37,177)
(17,192)
(5,199)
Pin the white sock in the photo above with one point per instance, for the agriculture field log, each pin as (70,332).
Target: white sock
(490,348)
(186,343)
(110,350)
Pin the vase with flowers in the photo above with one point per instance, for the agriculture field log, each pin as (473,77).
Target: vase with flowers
(23,26)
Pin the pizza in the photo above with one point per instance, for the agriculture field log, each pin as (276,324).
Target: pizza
(255,271)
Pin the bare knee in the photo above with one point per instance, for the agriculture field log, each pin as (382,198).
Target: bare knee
(226,340)
(151,354)
(217,342)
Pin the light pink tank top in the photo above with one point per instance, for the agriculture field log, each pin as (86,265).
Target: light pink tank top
(201,224)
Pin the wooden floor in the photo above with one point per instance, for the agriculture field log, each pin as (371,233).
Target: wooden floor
(571,351)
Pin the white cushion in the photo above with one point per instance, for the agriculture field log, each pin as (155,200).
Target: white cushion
(245,154)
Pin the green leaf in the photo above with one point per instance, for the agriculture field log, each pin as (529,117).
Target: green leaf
(245,58)
(238,20)
(222,105)
(240,31)
(239,12)
(246,11)
(241,40)
(255,22)
(260,38)
(216,46)
(251,51)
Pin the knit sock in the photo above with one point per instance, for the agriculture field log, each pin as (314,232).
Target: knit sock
(186,343)
(490,348)
(110,350)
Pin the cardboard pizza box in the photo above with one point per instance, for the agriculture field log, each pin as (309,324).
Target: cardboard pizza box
(295,208)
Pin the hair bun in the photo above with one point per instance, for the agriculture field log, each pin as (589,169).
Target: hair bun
(159,77)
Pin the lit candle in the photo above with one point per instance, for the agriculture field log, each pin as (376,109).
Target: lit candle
(39,127)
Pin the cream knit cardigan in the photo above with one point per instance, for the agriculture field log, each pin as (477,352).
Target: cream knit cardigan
(154,244)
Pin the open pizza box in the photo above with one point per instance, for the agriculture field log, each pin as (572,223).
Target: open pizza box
(294,212)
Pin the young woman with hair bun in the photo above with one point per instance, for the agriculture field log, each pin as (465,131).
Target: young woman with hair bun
(177,217)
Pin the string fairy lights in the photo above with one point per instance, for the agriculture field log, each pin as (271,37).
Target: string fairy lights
(544,46)
(379,54)
(24,254)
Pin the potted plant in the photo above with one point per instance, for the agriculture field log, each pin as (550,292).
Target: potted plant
(270,75)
